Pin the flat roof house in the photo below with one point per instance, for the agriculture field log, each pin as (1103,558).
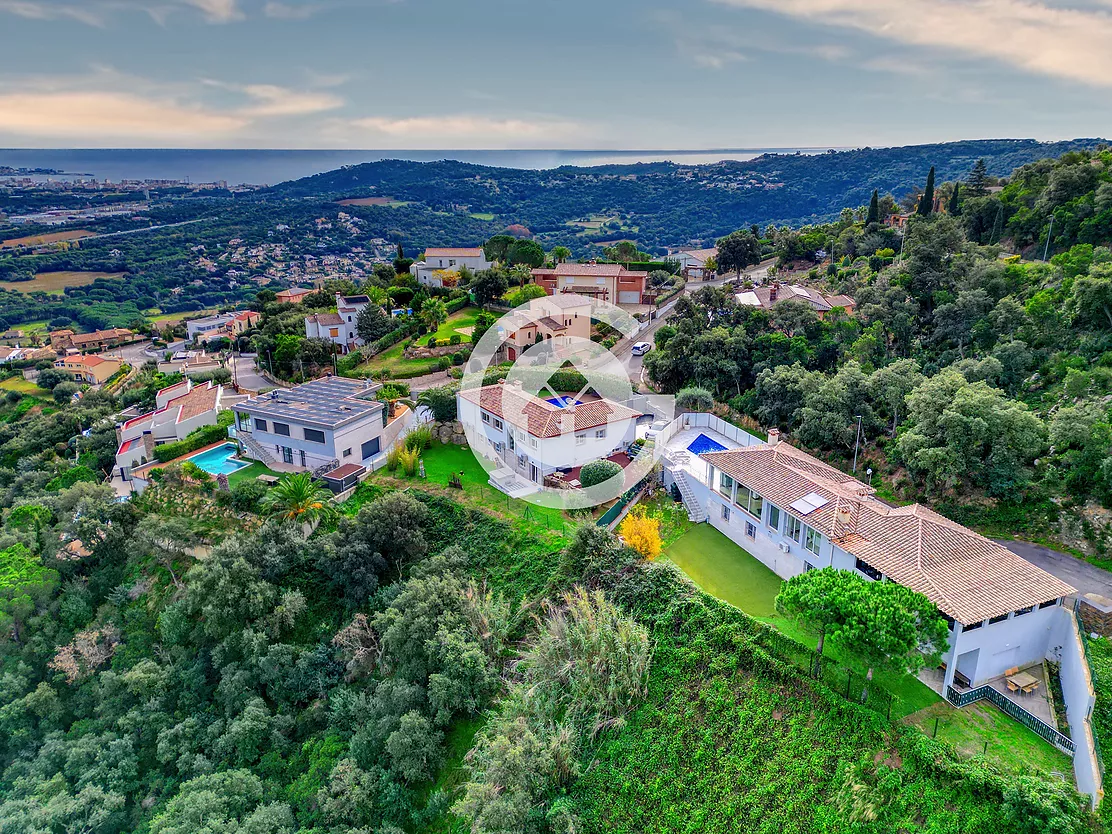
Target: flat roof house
(208,327)
(530,438)
(319,424)
(448,259)
(795,513)
(606,282)
(93,370)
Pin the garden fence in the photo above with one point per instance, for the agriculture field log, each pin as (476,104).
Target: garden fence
(1011,708)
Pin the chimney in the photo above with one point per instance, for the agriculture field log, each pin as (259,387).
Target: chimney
(773,291)
(773,437)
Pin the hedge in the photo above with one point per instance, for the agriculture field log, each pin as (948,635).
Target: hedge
(196,439)
(394,336)
(457,305)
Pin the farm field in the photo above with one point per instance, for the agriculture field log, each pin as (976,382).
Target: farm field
(55,282)
(366,201)
(49,237)
(393,361)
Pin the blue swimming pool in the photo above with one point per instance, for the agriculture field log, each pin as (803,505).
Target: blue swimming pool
(703,444)
(218,460)
(563,402)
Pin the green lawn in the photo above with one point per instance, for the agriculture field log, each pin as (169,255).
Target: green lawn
(399,367)
(482,215)
(672,516)
(249,473)
(444,460)
(728,572)
(23,386)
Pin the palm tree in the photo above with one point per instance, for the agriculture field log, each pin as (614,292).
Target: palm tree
(301,499)
(434,312)
(560,254)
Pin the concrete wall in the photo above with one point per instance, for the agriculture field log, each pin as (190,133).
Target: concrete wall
(1079,695)
(351,436)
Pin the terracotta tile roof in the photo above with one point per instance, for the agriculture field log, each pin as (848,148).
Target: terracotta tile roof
(967,576)
(567,301)
(326,319)
(460,252)
(541,418)
(700,254)
(199,400)
(591,270)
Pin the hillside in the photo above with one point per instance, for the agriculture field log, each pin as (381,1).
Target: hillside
(663,204)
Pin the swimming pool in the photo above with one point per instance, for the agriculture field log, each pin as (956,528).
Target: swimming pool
(218,460)
(563,402)
(703,444)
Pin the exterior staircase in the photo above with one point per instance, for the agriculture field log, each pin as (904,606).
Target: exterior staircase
(695,510)
(254,447)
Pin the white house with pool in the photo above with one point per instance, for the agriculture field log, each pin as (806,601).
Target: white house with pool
(530,438)
(795,513)
(179,410)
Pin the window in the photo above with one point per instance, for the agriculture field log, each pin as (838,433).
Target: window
(498,424)
(998,619)
(750,529)
(794,529)
(580,439)
(811,540)
(807,566)
(347,453)
(972,626)
(726,484)
(1050,603)
(1026,610)
(725,513)
(485,417)
(750,502)
(371,448)
(533,442)
(600,433)
(773,518)
(314,435)
(282,429)
(260,425)
(868,570)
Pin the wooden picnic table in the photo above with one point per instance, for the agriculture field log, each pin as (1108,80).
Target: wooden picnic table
(1025,681)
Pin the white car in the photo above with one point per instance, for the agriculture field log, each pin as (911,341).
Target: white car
(656,428)
(641,348)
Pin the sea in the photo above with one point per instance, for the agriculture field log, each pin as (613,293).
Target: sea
(269,166)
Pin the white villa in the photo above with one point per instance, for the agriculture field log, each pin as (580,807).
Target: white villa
(531,438)
(448,260)
(338,327)
(179,409)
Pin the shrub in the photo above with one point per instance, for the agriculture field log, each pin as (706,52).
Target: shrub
(459,357)
(419,438)
(642,533)
(598,471)
(432,341)
(454,339)
(407,459)
(695,399)
(394,457)
(443,363)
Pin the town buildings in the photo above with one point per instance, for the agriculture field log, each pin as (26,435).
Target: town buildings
(90,370)
(430,271)
(612,283)
(319,424)
(68,340)
(769,295)
(179,410)
(530,438)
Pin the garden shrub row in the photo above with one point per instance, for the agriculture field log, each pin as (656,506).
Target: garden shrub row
(196,439)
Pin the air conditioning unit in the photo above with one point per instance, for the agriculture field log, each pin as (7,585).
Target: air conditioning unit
(785,547)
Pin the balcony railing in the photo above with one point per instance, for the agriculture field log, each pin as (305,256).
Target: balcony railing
(1010,707)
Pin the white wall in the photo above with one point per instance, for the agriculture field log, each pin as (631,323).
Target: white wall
(1079,695)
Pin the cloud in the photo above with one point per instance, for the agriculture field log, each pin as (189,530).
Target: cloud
(84,115)
(43,11)
(272,100)
(719,59)
(1067,43)
(464,131)
(97,12)
(290,11)
(217,11)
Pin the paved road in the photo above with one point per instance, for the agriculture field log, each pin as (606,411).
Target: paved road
(1088,579)
(245,374)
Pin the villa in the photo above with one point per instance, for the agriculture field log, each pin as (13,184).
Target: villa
(612,283)
(317,425)
(294,295)
(92,370)
(113,337)
(770,295)
(179,410)
(694,262)
(553,319)
(339,327)
(209,327)
(449,260)
(530,438)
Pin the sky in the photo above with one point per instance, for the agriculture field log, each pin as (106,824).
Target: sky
(592,74)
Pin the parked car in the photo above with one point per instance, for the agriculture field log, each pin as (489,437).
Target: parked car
(656,428)
(641,348)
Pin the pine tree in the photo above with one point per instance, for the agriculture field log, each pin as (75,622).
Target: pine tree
(874,209)
(926,202)
(977,183)
(955,204)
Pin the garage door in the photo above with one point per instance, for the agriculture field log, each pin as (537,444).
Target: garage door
(629,297)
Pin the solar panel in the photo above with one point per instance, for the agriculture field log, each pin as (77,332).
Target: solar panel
(809,503)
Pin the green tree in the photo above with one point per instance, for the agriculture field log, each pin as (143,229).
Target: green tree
(598,471)
(737,251)
(440,401)
(498,247)
(695,399)
(25,585)
(525,253)
(926,202)
(560,254)
(372,324)
(434,312)
(821,601)
(889,386)
(301,499)
(522,295)
(976,184)
(489,286)
(874,209)
(1091,300)
(955,201)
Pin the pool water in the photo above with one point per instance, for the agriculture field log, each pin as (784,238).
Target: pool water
(703,444)
(218,460)
(563,402)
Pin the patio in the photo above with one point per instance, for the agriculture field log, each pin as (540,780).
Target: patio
(1036,702)
(677,455)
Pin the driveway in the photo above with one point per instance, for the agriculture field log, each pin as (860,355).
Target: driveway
(244,373)
(1088,579)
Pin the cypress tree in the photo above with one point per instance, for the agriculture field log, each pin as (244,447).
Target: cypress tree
(926,202)
(874,209)
(955,205)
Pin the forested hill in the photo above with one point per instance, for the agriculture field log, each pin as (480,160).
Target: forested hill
(664,204)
